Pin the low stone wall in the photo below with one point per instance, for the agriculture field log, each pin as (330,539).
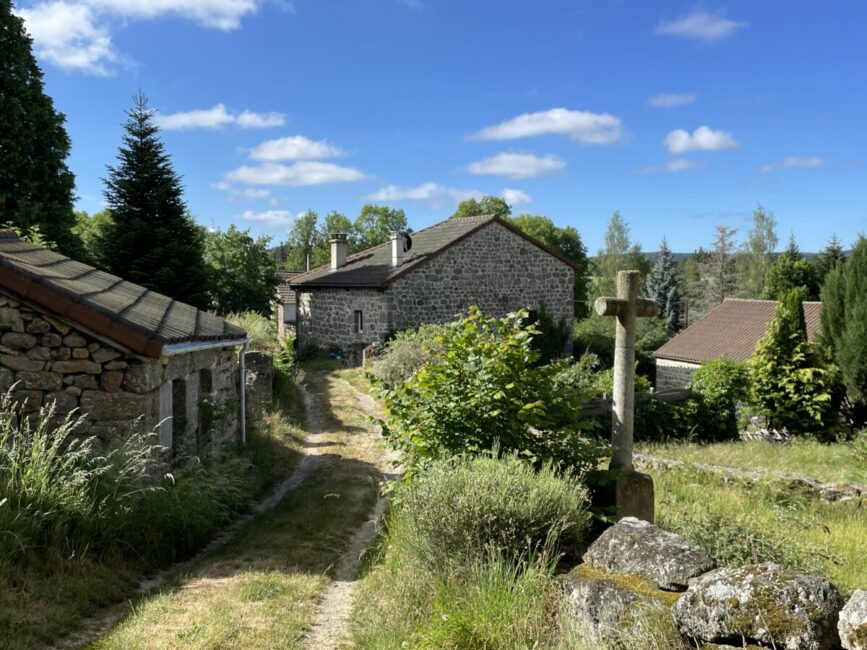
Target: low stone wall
(48,360)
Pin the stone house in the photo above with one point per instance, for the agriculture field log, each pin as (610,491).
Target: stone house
(430,276)
(730,330)
(285,299)
(82,338)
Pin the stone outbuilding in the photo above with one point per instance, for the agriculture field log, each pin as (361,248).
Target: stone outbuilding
(429,276)
(124,355)
(285,299)
(730,330)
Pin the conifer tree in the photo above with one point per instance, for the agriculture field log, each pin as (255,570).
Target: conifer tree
(789,386)
(663,287)
(844,321)
(36,186)
(151,239)
(829,257)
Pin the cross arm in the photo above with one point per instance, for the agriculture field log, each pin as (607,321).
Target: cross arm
(619,306)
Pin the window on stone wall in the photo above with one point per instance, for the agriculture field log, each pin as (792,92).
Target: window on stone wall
(206,407)
(179,415)
(358,321)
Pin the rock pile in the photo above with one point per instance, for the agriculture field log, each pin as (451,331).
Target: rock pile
(759,605)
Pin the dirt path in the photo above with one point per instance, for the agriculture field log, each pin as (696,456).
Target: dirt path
(329,628)
(298,553)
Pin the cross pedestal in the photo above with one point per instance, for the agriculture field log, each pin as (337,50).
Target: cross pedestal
(633,490)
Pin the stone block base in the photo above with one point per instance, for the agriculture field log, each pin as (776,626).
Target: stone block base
(634,496)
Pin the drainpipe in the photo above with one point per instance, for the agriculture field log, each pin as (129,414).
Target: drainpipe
(243,392)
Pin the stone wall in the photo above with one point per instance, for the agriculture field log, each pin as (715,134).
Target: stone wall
(674,374)
(495,269)
(49,360)
(327,317)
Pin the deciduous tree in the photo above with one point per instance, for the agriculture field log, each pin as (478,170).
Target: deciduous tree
(486,205)
(243,278)
(758,249)
(375,223)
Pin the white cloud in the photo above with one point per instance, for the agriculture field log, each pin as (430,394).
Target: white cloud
(251,120)
(702,139)
(670,100)
(673,165)
(295,147)
(217,117)
(517,165)
(270,217)
(76,34)
(700,25)
(792,161)
(66,35)
(433,194)
(515,197)
(243,193)
(582,126)
(297,174)
(215,14)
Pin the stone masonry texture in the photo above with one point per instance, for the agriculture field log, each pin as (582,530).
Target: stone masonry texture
(493,268)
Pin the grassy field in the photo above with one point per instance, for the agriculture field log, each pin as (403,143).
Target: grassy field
(739,524)
(825,462)
(261,590)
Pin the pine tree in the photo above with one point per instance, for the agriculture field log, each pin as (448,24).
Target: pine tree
(36,186)
(844,320)
(151,240)
(830,256)
(722,273)
(789,386)
(663,287)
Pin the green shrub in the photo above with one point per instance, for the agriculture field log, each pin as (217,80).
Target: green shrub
(261,329)
(551,341)
(483,388)
(859,443)
(789,386)
(405,353)
(719,386)
(596,335)
(586,377)
(467,507)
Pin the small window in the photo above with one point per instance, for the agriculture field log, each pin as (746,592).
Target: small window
(358,321)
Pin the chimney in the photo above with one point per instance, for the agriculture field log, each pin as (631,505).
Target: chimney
(398,243)
(338,250)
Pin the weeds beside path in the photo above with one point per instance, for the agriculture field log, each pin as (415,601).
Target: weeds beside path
(285,579)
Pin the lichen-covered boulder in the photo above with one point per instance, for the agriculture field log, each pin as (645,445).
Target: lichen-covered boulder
(853,622)
(761,603)
(603,607)
(635,546)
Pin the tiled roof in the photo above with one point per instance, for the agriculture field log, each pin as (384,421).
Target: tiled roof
(731,330)
(137,318)
(372,268)
(284,293)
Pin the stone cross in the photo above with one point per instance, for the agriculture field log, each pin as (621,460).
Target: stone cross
(634,495)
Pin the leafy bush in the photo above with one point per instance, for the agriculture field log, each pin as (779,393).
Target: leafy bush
(483,388)
(596,334)
(261,329)
(859,443)
(586,377)
(466,507)
(405,353)
(719,385)
(789,387)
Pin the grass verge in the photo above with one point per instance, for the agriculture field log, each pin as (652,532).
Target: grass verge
(837,462)
(767,521)
(47,588)
(261,589)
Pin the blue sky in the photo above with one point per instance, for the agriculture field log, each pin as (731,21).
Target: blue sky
(680,115)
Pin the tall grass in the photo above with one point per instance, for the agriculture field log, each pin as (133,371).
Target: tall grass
(261,330)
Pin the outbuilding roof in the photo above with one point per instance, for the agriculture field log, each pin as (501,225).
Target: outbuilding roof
(730,330)
(372,268)
(141,320)
(284,292)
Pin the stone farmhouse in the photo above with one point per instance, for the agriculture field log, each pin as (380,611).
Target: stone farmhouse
(82,338)
(430,276)
(730,330)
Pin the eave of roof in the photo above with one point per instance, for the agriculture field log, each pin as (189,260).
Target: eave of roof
(34,285)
